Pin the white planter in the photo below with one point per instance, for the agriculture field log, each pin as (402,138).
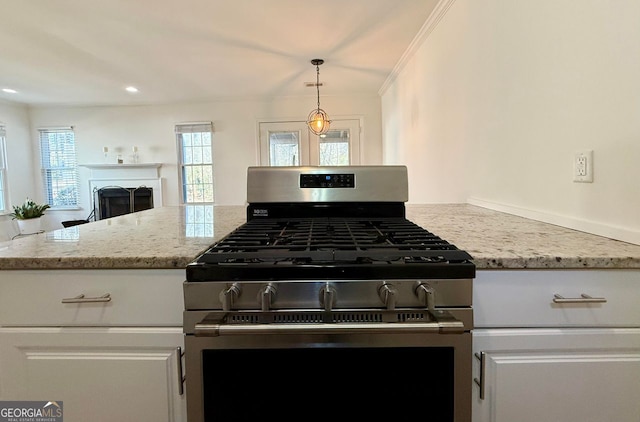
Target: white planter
(30,225)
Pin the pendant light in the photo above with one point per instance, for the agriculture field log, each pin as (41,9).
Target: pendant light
(318,120)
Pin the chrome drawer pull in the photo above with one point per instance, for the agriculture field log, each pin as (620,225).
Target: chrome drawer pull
(181,377)
(81,299)
(213,330)
(205,329)
(480,382)
(582,299)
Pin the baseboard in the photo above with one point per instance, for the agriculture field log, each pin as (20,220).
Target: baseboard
(612,232)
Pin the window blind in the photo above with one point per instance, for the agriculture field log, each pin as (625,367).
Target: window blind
(194,127)
(196,162)
(59,167)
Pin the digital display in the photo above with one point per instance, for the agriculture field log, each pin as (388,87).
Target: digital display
(327,180)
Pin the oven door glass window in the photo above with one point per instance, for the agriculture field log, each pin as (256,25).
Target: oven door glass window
(350,383)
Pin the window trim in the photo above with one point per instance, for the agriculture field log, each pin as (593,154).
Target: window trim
(4,197)
(74,179)
(179,129)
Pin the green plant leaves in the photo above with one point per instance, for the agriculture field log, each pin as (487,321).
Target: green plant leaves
(28,210)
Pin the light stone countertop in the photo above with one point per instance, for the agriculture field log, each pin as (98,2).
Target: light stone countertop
(171,237)
(498,240)
(162,237)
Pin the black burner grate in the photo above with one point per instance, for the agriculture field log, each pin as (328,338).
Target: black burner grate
(334,240)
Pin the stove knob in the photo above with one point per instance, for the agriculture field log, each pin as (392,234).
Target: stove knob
(327,297)
(266,296)
(229,296)
(426,294)
(388,295)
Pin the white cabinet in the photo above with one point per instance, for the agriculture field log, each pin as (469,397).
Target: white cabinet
(525,298)
(564,375)
(134,298)
(100,374)
(114,360)
(538,360)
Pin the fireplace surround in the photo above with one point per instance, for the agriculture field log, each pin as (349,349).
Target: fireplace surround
(111,201)
(118,189)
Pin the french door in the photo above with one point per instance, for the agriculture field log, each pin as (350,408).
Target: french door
(292,144)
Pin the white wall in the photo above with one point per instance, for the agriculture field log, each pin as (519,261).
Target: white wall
(15,118)
(492,104)
(151,129)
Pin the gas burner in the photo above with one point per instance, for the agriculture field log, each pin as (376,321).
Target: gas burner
(333,240)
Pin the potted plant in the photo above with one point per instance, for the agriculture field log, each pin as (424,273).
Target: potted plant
(28,216)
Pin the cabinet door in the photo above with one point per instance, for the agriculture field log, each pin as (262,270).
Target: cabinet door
(100,374)
(567,375)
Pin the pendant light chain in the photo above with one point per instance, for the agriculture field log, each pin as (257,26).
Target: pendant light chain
(318,121)
(318,83)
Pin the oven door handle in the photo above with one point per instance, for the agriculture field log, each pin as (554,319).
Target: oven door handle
(444,323)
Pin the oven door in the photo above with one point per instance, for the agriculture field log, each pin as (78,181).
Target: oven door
(374,373)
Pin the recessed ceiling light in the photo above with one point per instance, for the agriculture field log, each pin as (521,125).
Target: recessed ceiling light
(9,90)
(131,89)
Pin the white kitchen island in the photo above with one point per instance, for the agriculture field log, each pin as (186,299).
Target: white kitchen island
(92,314)
(114,353)
(542,350)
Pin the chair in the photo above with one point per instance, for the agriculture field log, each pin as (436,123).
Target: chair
(71,223)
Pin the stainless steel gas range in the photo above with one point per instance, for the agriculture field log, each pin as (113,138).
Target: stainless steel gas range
(328,300)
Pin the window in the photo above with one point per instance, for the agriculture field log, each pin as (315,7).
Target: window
(292,144)
(59,167)
(3,172)
(199,220)
(284,148)
(334,148)
(196,162)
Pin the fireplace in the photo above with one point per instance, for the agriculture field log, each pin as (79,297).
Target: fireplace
(111,201)
(117,189)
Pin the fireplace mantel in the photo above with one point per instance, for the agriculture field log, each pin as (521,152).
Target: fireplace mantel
(124,171)
(128,165)
(109,170)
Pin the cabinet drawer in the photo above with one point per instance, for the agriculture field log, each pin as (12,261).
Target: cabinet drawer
(525,298)
(135,298)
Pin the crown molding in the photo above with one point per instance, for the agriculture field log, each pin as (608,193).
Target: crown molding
(430,24)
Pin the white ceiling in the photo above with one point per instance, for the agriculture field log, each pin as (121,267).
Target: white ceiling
(85,52)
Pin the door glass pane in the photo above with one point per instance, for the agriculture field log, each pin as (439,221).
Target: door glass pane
(334,148)
(284,148)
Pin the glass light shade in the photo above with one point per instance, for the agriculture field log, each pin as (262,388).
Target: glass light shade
(318,121)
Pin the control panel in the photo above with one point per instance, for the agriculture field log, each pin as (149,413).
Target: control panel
(327,181)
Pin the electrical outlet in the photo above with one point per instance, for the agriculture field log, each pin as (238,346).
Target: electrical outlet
(583,166)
